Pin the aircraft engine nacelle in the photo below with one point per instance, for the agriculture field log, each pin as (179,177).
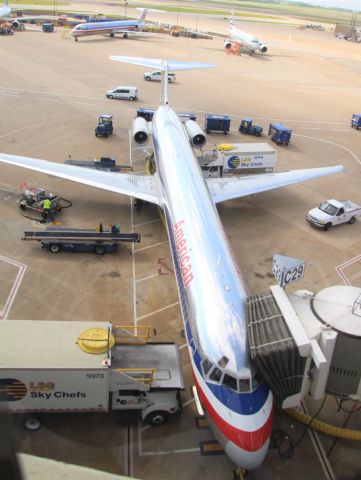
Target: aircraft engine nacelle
(15,23)
(227,44)
(263,48)
(140,131)
(195,134)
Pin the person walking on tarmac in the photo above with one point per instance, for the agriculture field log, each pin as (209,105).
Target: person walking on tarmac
(47,209)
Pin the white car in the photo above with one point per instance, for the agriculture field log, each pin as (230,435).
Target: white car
(127,93)
(157,75)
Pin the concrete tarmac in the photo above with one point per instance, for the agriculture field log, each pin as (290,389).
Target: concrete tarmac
(52,91)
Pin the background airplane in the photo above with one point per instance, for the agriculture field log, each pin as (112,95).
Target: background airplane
(211,288)
(5,10)
(123,27)
(245,40)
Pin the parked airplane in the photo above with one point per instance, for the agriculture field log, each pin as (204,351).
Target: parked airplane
(124,27)
(210,285)
(5,10)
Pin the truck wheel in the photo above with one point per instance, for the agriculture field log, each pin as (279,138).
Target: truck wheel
(110,96)
(147,79)
(327,226)
(54,248)
(99,249)
(32,424)
(157,418)
(22,206)
(352,220)
(131,99)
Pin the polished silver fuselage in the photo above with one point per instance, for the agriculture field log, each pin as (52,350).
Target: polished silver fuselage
(214,299)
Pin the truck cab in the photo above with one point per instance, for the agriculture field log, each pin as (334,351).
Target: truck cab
(247,126)
(333,212)
(105,126)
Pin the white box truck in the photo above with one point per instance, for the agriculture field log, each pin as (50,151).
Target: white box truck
(333,212)
(58,366)
(238,159)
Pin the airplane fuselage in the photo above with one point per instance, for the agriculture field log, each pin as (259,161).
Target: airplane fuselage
(5,12)
(213,299)
(101,28)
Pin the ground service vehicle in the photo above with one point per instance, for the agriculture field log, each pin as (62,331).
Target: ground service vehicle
(58,239)
(157,75)
(75,366)
(279,133)
(332,212)
(247,126)
(229,159)
(47,27)
(127,93)
(6,31)
(33,199)
(105,126)
(216,123)
(356,121)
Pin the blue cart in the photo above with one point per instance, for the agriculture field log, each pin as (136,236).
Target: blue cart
(356,121)
(217,123)
(279,133)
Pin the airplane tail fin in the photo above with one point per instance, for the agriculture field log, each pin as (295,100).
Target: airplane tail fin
(144,11)
(232,23)
(165,66)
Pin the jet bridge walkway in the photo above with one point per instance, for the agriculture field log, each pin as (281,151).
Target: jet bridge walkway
(273,348)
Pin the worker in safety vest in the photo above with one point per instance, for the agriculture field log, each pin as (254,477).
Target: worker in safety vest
(47,208)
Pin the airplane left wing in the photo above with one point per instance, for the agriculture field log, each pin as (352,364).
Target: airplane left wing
(139,186)
(227,188)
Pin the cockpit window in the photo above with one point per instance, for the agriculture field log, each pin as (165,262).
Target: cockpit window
(216,374)
(244,385)
(206,365)
(230,382)
(222,362)
(256,381)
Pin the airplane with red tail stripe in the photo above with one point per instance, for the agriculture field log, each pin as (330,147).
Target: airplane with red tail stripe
(211,288)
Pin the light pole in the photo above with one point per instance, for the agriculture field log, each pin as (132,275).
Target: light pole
(125,7)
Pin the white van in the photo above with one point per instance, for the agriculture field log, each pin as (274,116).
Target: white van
(128,93)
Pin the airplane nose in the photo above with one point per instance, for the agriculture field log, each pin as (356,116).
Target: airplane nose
(245,459)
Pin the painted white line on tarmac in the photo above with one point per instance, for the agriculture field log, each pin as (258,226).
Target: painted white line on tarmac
(150,246)
(147,278)
(331,143)
(157,311)
(15,287)
(339,269)
(146,223)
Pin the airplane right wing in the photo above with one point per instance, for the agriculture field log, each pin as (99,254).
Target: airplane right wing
(139,186)
(227,188)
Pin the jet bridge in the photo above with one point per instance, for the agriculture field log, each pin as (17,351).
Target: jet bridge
(305,343)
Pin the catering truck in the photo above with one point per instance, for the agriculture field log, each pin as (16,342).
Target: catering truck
(228,159)
(58,366)
(333,212)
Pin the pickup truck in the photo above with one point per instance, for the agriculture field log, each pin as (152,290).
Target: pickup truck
(333,212)
(157,75)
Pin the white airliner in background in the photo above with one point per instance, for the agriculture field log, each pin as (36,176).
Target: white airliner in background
(5,10)
(245,40)
(211,288)
(124,27)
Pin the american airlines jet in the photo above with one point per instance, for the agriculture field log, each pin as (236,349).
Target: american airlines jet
(245,40)
(5,10)
(124,27)
(211,289)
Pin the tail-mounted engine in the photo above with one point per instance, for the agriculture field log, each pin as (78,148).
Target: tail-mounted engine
(140,131)
(195,134)
(227,44)
(263,48)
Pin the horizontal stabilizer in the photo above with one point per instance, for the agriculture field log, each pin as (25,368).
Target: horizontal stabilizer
(227,188)
(139,186)
(159,64)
